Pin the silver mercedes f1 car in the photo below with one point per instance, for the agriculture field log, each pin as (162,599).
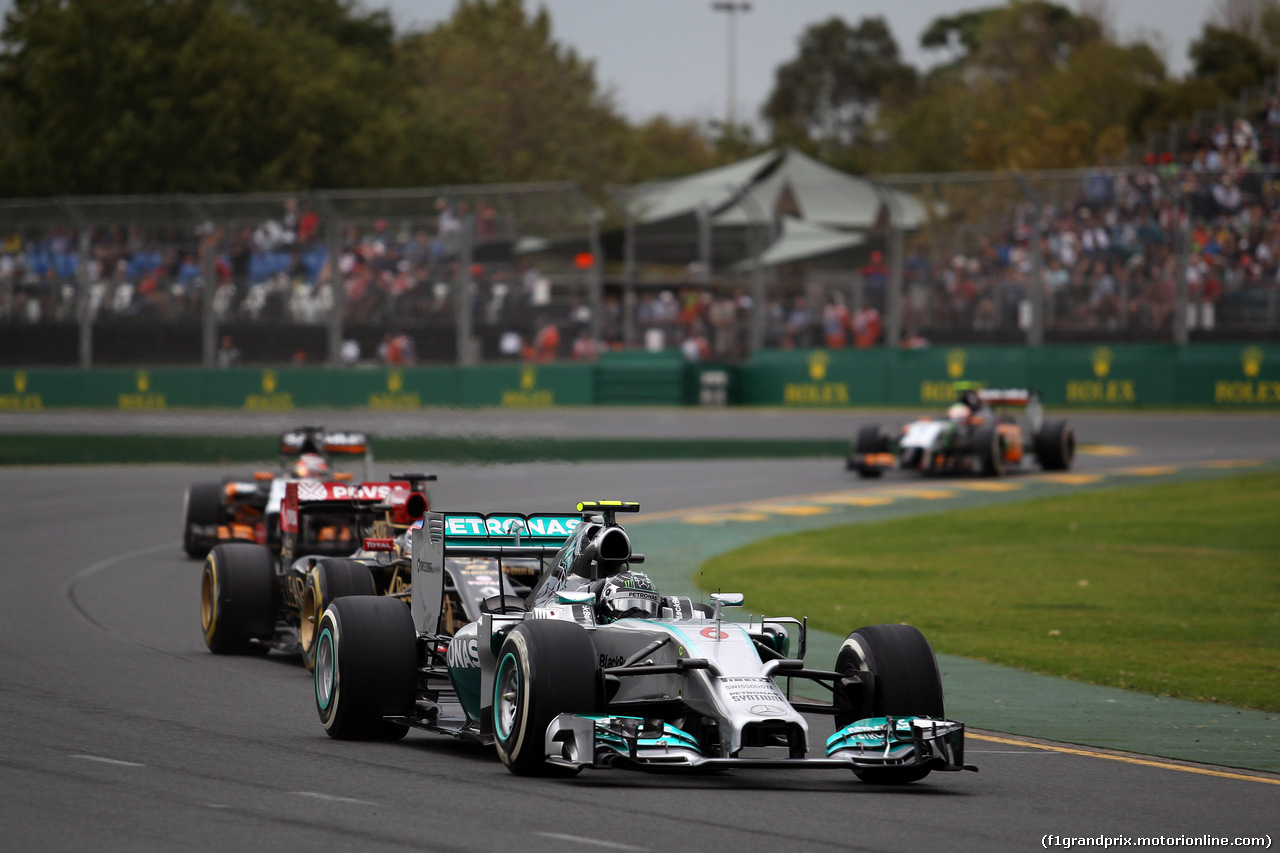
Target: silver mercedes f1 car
(597,669)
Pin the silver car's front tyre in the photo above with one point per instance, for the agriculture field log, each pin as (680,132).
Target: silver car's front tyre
(545,668)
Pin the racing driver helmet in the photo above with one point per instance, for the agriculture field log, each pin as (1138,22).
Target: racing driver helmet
(626,595)
(311,466)
(959,412)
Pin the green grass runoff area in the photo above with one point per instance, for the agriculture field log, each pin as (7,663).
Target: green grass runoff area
(1168,589)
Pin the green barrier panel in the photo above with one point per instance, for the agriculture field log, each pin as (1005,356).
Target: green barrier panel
(527,385)
(1120,376)
(1242,375)
(1105,376)
(928,376)
(815,378)
(640,379)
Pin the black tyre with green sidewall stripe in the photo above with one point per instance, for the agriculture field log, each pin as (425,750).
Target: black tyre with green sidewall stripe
(238,598)
(906,683)
(366,667)
(545,668)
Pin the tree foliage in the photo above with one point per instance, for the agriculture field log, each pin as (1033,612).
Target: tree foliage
(828,96)
(533,106)
(1232,60)
(1028,84)
(132,96)
(126,96)
(148,96)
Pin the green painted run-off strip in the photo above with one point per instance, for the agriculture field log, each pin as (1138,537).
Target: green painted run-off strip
(130,449)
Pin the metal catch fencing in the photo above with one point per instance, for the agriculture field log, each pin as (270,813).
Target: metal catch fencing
(542,271)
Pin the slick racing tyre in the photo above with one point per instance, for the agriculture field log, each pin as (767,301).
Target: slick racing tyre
(989,447)
(1056,445)
(366,667)
(237,599)
(329,580)
(201,514)
(545,668)
(904,681)
(871,439)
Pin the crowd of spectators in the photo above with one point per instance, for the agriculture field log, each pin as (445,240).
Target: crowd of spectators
(1111,254)
(277,271)
(1110,245)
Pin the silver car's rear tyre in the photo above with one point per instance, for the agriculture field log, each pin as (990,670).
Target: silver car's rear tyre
(366,668)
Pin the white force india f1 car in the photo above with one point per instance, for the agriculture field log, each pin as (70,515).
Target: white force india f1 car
(973,437)
(598,669)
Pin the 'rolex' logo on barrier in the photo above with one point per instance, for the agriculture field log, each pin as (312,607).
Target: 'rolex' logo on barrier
(1252,361)
(20,381)
(818,362)
(956,359)
(268,381)
(1102,358)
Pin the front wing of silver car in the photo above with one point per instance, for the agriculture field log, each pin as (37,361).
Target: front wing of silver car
(580,741)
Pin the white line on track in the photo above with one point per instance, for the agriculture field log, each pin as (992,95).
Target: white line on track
(115,761)
(612,845)
(333,799)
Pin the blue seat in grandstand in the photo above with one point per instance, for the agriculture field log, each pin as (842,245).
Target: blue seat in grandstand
(65,265)
(142,263)
(189,270)
(263,265)
(313,260)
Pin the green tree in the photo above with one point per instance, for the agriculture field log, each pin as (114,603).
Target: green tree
(533,105)
(1029,85)
(133,96)
(1231,60)
(826,98)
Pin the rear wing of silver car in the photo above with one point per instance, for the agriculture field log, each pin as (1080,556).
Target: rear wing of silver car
(499,535)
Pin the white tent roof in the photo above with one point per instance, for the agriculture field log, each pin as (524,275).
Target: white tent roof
(818,194)
(801,239)
(654,202)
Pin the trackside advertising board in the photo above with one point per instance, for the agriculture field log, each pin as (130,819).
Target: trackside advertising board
(1234,376)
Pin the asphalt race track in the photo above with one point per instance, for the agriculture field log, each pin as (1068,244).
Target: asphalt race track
(118,730)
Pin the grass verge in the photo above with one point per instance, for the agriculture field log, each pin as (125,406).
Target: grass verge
(130,449)
(1171,589)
